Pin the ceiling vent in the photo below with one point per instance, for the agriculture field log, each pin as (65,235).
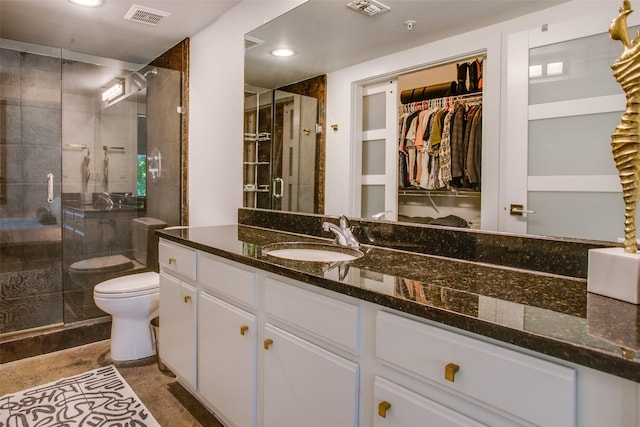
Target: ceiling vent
(250,42)
(368,7)
(145,15)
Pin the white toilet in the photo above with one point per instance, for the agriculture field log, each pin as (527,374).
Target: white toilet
(130,299)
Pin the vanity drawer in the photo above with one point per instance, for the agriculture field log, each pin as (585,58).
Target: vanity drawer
(174,258)
(228,280)
(398,406)
(327,318)
(514,382)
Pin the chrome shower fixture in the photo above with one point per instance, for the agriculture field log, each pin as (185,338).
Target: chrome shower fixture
(140,79)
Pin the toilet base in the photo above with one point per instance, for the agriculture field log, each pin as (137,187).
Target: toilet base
(131,339)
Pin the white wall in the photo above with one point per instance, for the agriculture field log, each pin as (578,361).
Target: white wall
(215,111)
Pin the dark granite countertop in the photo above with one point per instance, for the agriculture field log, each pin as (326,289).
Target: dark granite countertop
(545,313)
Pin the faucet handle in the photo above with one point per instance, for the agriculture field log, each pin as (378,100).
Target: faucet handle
(344,222)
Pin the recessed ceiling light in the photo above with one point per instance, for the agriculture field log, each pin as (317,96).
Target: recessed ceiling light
(282,52)
(87,3)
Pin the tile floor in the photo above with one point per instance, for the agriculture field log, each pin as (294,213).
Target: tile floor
(167,400)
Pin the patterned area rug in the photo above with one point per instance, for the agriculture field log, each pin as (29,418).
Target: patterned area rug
(96,398)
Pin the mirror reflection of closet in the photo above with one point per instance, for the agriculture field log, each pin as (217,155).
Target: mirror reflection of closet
(428,191)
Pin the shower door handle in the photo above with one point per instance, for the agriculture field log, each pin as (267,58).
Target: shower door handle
(276,194)
(50,187)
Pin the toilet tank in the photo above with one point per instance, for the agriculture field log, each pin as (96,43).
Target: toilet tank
(145,241)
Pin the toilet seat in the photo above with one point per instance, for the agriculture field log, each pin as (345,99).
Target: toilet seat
(128,286)
(106,264)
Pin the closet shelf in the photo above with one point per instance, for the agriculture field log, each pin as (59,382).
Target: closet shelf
(441,193)
(256,163)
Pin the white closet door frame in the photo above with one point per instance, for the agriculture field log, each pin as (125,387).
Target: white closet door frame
(389,135)
(517,114)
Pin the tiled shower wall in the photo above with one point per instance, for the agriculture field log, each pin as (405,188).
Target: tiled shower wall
(30,253)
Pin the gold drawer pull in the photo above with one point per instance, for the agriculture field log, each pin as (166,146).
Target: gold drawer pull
(383,407)
(243,329)
(450,371)
(267,343)
(172,261)
(187,298)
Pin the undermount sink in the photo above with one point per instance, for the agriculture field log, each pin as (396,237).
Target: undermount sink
(311,252)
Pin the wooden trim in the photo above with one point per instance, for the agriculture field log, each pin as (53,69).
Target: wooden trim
(178,58)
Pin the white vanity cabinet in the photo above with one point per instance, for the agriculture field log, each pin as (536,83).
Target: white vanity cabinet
(178,310)
(227,337)
(396,406)
(306,385)
(226,359)
(274,352)
(524,388)
(305,382)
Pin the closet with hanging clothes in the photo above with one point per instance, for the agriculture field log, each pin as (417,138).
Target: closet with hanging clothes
(440,145)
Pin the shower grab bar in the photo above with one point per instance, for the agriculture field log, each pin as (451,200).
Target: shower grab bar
(278,194)
(106,148)
(75,146)
(50,188)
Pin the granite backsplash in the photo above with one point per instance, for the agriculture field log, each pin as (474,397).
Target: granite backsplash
(561,256)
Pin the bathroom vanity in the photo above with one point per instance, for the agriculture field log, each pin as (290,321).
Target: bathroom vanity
(394,338)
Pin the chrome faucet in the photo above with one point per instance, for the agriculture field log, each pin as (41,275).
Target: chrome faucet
(344,235)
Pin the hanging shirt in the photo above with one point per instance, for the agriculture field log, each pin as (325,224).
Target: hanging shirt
(470,167)
(457,142)
(445,148)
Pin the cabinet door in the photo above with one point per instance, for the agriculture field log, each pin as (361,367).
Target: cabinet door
(227,359)
(178,327)
(398,407)
(305,385)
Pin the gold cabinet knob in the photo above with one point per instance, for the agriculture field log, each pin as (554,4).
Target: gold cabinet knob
(172,261)
(267,343)
(383,407)
(187,298)
(450,371)
(243,329)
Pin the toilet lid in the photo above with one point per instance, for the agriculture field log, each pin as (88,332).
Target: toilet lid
(132,283)
(108,263)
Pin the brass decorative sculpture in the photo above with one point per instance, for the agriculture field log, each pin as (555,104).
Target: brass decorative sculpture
(625,141)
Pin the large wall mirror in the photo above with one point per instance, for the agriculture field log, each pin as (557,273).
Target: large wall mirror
(328,36)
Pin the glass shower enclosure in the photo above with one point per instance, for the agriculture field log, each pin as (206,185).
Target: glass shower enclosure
(75,153)
(279,164)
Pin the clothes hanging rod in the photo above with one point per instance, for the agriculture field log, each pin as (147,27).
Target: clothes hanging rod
(467,97)
(442,193)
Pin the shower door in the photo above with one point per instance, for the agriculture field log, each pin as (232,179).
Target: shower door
(294,153)
(30,177)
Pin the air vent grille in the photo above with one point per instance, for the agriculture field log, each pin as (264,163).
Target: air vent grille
(145,15)
(368,7)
